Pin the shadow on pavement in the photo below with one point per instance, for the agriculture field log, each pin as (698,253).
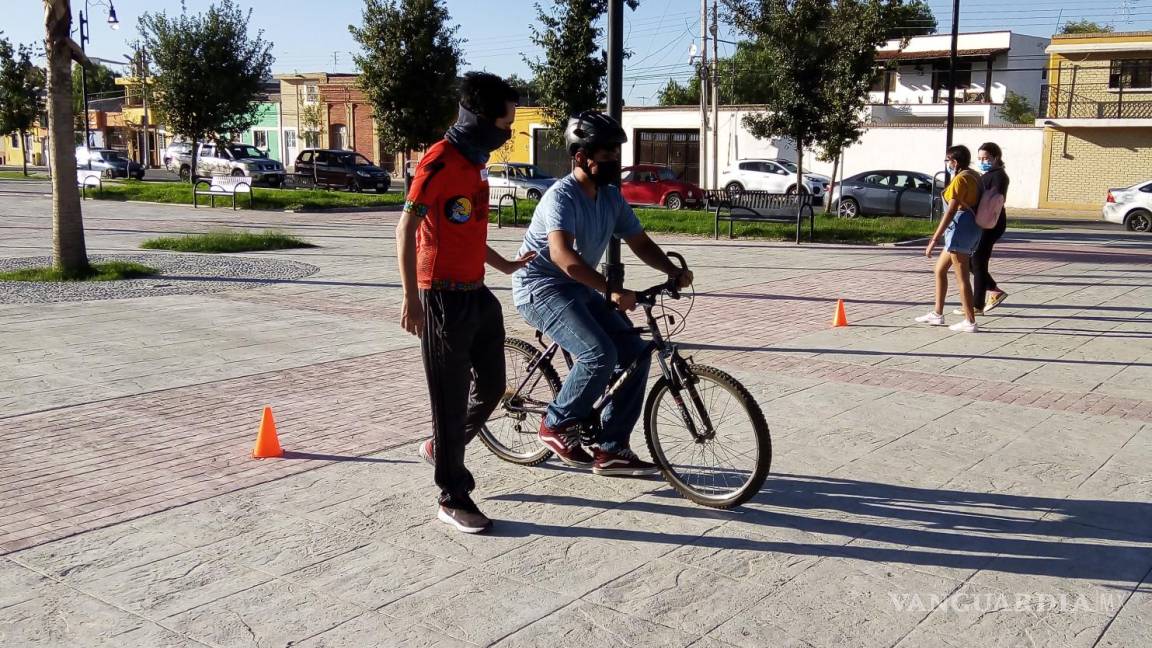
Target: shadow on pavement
(923,526)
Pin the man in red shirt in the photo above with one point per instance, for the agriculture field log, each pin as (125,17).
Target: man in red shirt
(441,245)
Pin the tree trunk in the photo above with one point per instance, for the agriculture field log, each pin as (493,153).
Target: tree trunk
(799,187)
(27,151)
(195,159)
(407,177)
(69,253)
(832,185)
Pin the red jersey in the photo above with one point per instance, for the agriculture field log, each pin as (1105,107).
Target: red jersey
(449,194)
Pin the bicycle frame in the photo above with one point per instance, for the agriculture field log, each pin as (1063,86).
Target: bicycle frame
(672,366)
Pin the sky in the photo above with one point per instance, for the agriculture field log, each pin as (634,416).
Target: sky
(312,36)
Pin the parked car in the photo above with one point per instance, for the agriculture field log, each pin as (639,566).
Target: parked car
(897,193)
(176,155)
(110,163)
(1131,207)
(341,168)
(649,184)
(791,166)
(769,175)
(241,160)
(526,180)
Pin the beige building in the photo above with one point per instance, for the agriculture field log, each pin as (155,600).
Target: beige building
(1097,118)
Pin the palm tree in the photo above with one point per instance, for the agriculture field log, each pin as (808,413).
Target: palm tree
(69,254)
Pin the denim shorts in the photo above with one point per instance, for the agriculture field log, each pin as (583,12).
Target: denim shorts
(963,234)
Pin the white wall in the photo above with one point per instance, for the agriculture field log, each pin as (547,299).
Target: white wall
(912,148)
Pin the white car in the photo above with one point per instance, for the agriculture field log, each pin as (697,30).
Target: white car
(771,176)
(1130,207)
(522,180)
(791,166)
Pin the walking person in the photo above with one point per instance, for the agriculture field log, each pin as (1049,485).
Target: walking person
(961,238)
(986,295)
(441,246)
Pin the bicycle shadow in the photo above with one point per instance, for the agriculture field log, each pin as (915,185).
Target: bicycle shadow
(1065,538)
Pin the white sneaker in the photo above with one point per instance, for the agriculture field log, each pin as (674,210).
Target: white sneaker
(964,326)
(960,311)
(932,318)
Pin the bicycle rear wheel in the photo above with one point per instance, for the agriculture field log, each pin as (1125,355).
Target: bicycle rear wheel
(511,431)
(729,466)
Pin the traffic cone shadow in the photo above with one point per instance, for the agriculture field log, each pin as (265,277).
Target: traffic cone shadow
(267,443)
(840,319)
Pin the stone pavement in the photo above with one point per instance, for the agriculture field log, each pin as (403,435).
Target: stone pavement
(928,488)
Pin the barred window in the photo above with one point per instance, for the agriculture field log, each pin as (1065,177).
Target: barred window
(1130,73)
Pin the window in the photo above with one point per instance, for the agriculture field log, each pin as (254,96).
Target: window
(882,76)
(306,156)
(322,157)
(290,138)
(15,140)
(940,75)
(260,139)
(311,139)
(311,93)
(875,179)
(749,166)
(339,136)
(1130,73)
(240,151)
(496,171)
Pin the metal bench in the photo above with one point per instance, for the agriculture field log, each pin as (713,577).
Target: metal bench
(88,178)
(500,198)
(223,187)
(760,207)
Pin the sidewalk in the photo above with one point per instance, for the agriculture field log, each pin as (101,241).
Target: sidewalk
(927,488)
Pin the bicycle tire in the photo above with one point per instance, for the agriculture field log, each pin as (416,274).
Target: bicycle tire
(503,429)
(677,476)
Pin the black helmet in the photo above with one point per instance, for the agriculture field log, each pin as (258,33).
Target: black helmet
(593,130)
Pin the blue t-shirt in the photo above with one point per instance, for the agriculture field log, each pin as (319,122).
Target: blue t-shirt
(592,223)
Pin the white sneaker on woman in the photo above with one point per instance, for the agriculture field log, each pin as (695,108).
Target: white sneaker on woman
(964,326)
(935,319)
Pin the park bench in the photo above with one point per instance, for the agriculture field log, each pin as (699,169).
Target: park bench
(88,178)
(759,207)
(222,187)
(501,198)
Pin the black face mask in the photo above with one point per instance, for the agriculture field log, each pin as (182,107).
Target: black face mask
(607,172)
(480,132)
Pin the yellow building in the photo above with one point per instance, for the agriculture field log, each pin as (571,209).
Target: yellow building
(13,150)
(1098,117)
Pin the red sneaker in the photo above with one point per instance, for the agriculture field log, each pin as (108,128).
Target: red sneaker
(427,452)
(624,463)
(566,445)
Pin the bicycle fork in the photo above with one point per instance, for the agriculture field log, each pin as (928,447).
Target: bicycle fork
(675,369)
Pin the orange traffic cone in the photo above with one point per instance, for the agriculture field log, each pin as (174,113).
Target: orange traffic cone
(267,444)
(840,319)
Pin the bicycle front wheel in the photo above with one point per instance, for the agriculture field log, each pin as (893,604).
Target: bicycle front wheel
(510,432)
(727,465)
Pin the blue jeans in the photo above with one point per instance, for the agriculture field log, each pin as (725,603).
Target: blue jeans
(601,342)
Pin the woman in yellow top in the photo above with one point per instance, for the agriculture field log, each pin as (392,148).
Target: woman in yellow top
(961,236)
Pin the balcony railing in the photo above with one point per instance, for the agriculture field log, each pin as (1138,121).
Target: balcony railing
(1091,102)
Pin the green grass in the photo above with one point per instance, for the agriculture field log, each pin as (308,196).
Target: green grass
(180,193)
(110,271)
(829,229)
(19,175)
(224,241)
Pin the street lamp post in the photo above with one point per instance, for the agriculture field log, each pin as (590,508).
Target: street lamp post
(114,23)
(614,268)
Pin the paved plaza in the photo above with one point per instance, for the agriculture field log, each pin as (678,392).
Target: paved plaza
(928,489)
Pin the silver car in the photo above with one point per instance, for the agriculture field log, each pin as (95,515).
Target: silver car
(523,180)
(239,160)
(887,193)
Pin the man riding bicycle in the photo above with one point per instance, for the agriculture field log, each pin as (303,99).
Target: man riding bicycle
(561,293)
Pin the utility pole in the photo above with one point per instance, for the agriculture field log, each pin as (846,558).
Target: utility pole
(715,96)
(704,73)
(143,75)
(613,268)
(952,79)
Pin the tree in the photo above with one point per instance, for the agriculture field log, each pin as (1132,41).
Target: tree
(208,71)
(908,19)
(409,62)
(571,76)
(21,86)
(1085,27)
(819,76)
(101,85)
(1016,109)
(741,80)
(312,118)
(69,253)
(528,88)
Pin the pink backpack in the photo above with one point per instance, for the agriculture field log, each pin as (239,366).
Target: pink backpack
(988,211)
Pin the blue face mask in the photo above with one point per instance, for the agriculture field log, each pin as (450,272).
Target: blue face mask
(985,166)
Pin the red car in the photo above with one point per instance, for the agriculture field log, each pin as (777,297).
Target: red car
(649,184)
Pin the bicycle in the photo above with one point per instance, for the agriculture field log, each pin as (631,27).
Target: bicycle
(689,461)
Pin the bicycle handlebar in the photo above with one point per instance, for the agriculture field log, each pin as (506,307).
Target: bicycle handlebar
(649,296)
